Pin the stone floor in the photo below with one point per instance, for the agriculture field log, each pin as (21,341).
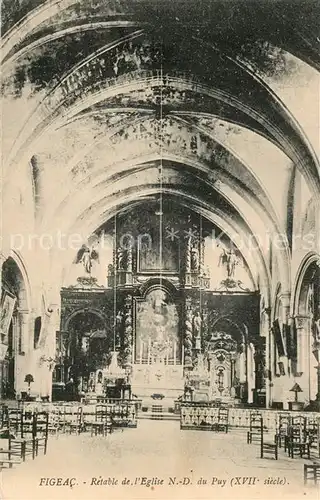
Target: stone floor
(156,451)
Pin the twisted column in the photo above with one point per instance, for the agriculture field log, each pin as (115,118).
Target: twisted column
(129,259)
(188,256)
(202,249)
(128,331)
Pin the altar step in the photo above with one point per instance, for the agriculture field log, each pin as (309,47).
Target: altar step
(162,416)
(158,412)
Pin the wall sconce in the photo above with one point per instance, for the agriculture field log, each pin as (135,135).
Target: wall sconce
(29,379)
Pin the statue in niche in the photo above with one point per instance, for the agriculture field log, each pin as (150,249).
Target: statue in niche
(86,255)
(197,322)
(229,260)
(122,260)
(194,259)
(85,344)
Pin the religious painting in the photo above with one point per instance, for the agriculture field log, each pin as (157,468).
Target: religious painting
(7,308)
(155,253)
(157,330)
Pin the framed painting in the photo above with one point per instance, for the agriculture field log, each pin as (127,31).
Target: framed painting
(6,312)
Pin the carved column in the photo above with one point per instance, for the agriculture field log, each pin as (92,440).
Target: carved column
(129,265)
(202,249)
(188,262)
(128,332)
(129,259)
(188,336)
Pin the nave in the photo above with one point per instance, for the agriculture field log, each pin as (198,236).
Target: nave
(156,450)
(160,247)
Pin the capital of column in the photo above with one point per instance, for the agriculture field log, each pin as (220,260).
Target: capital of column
(285,299)
(301,322)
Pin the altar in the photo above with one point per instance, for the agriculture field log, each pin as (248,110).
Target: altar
(157,378)
(166,320)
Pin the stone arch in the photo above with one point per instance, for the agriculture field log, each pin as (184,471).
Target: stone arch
(224,322)
(299,302)
(90,310)
(15,334)
(156,284)
(306,322)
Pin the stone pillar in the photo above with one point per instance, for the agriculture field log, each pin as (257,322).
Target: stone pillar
(303,332)
(285,313)
(266,333)
(3,347)
(128,332)
(303,327)
(250,371)
(47,344)
(24,331)
(188,336)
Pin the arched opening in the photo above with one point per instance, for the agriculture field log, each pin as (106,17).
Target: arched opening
(14,334)
(307,329)
(82,349)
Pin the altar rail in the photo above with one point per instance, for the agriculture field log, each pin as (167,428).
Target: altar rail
(123,413)
(205,417)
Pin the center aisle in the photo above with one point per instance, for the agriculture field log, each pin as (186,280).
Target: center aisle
(145,459)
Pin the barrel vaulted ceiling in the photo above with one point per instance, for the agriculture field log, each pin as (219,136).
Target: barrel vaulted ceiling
(98,94)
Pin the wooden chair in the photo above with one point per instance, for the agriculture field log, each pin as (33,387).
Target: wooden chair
(103,421)
(283,424)
(313,429)
(298,442)
(98,426)
(255,422)
(73,421)
(7,460)
(22,443)
(268,448)
(41,431)
(55,421)
(311,472)
(222,423)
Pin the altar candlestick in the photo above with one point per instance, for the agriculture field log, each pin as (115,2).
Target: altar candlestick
(141,350)
(174,352)
(149,351)
(183,355)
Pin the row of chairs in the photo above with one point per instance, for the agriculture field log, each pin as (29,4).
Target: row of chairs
(296,435)
(99,418)
(299,436)
(23,433)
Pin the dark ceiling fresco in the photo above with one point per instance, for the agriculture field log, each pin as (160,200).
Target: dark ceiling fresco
(186,36)
(105,77)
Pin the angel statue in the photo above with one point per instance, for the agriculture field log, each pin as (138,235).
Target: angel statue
(229,261)
(86,256)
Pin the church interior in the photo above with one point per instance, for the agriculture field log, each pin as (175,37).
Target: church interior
(161,206)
